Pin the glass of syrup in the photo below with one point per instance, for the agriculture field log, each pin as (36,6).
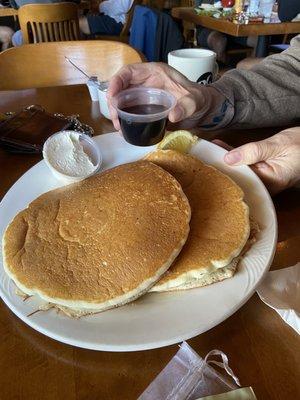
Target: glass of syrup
(143,114)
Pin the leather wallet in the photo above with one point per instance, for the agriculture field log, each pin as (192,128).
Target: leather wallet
(26,131)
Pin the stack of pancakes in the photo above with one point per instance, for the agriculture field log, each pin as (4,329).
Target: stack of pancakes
(168,222)
(219,227)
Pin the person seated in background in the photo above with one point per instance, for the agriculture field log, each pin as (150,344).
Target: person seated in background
(109,21)
(267,95)
(17,39)
(219,42)
(6,28)
(6,34)
(288,10)
(210,39)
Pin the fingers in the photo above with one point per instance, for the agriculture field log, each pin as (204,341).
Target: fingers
(250,153)
(220,143)
(260,168)
(127,76)
(275,160)
(266,173)
(185,108)
(177,114)
(154,75)
(116,123)
(120,81)
(134,74)
(113,114)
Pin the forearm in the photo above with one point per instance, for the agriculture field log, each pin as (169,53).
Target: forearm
(215,110)
(266,95)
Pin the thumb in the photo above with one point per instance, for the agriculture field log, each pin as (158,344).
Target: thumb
(250,153)
(177,113)
(185,108)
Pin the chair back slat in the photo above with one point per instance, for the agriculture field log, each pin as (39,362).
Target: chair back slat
(49,22)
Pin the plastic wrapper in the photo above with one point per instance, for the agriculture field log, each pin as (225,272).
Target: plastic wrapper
(189,377)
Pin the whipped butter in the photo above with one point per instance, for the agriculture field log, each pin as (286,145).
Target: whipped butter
(65,153)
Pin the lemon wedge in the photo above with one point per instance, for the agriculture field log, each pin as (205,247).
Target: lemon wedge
(181,141)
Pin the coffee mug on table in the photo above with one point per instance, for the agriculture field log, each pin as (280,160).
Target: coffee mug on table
(198,65)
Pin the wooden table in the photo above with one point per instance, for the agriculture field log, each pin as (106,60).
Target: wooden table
(262,30)
(263,351)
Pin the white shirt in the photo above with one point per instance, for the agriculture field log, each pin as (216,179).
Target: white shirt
(116,9)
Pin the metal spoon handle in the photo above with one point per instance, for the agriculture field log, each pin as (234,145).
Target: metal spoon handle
(79,69)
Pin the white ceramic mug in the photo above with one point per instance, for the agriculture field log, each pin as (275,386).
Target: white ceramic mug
(198,65)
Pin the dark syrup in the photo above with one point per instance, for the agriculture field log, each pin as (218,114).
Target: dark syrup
(143,133)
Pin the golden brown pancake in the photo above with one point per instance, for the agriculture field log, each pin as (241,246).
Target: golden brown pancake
(219,227)
(101,242)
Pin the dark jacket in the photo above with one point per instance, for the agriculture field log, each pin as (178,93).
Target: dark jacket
(154,33)
(168,37)
(288,9)
(143,31)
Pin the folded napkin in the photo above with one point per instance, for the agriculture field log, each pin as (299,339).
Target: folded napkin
(281,291)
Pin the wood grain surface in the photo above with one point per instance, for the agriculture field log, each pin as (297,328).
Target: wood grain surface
(263,351)
(188,14)
(50,68)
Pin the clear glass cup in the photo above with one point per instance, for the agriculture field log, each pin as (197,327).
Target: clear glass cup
(143,114)
(265,9)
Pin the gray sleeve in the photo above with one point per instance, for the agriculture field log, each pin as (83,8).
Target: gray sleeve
(266,95)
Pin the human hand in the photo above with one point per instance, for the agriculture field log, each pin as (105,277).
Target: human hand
(275,160)
(191,97)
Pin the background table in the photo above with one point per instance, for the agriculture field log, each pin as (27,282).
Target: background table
(263,351)
(262,30)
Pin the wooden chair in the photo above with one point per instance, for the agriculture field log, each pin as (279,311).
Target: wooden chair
(44,64)
(189,28)
(124,35)
(238,50)
(49,22)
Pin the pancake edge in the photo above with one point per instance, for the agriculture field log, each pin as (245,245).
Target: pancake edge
(215,266)
(193,279)
(96,307)
(82,307)
(206,279)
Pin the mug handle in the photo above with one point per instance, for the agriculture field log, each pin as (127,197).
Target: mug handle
(215,71)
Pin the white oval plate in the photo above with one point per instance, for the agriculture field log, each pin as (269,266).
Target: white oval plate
(156,319)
